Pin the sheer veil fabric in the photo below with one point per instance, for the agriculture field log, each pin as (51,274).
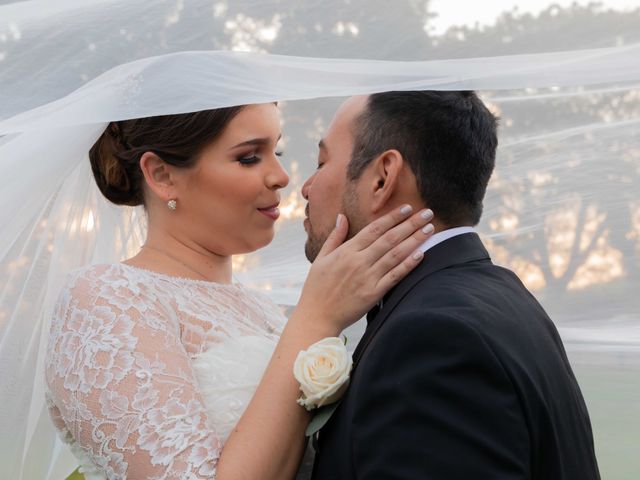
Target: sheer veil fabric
(562,210)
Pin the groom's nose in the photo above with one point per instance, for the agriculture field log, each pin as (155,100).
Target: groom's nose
(305,188)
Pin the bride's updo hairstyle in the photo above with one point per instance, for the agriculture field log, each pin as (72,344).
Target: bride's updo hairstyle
(177,139)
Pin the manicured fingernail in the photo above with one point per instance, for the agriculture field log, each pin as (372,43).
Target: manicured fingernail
(406,210)
(417,255)
(338,220)
(427,229)
(426,214)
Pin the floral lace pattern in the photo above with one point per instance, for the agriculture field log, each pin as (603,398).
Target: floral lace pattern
(122,388)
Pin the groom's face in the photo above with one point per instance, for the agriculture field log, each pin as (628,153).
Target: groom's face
(327,191)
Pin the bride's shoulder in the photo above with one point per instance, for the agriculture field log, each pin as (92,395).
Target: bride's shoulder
(90,282)
(115,287)
(97,273)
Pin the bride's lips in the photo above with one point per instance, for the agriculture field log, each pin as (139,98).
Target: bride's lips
(272,212)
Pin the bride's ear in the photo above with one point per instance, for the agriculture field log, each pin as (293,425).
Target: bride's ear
(158,176)
(385,179)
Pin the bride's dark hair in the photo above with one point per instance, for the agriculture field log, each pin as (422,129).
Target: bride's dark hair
(177,139)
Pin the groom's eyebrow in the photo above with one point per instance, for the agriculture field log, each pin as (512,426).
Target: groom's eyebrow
(256,141)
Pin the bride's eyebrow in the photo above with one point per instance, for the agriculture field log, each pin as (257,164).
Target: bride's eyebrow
(256,141)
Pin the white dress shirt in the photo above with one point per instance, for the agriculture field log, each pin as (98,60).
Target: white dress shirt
(440,237)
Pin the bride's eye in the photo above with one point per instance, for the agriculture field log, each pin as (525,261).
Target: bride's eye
(279,153)
(250,160)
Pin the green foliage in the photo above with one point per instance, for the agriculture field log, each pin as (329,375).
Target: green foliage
(320,417)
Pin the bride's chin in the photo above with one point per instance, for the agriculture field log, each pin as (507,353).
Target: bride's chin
(267,240)
(257,243)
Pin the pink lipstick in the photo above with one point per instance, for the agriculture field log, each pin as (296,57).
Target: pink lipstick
(273,212)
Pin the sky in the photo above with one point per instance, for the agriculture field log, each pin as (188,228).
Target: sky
(485,13)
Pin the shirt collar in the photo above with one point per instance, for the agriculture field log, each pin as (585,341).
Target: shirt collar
(440,237)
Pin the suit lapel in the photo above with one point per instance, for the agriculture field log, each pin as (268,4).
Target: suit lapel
(460,249)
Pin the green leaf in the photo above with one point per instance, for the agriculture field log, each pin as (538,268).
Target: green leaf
(320,418)
(76,475)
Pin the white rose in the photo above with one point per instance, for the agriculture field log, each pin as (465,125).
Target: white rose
(323,372)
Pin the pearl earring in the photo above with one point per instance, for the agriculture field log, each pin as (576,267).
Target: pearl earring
(172,204)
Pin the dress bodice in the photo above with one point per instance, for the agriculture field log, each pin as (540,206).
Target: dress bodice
(147,373)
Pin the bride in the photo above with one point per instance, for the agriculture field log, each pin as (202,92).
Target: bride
(161,366)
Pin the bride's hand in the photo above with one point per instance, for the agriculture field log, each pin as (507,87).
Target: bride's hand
(349,278)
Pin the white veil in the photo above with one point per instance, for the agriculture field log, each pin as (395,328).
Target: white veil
(562,210)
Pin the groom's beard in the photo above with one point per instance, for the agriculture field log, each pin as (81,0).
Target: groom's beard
(315,240)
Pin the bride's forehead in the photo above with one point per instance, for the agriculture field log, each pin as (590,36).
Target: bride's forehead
(262,120)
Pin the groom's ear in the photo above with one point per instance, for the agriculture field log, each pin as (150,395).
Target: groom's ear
(385,179)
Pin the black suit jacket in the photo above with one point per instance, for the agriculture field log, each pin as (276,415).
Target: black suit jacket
(460,376)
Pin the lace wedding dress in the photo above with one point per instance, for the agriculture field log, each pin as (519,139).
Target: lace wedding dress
(147,374)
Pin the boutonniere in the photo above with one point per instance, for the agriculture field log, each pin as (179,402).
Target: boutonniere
(323,372)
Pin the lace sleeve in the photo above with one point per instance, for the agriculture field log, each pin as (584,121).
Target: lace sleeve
(122,384)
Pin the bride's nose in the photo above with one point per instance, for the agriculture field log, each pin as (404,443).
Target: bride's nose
(277,177)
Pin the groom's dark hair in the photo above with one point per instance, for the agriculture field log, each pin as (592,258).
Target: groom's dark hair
(449,140)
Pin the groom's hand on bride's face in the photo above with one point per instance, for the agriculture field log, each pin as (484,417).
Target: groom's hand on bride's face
(357,273)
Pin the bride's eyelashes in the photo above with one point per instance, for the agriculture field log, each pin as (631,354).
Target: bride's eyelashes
(253,158)
(250,160)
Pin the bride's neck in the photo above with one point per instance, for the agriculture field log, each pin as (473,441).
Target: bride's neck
(171,255)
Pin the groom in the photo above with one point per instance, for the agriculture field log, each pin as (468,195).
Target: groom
(460,375)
